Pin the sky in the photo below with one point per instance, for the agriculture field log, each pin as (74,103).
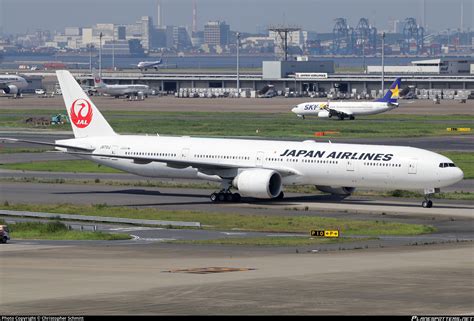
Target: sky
(20,16)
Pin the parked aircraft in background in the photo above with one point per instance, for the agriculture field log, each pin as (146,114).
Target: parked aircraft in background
(256,168)
(341,110)
(119,90)
(12,84)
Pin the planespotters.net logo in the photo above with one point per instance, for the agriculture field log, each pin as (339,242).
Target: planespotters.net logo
(81,113)
(442,318)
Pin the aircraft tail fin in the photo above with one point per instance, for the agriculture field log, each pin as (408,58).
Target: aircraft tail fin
(392,94)
(98,82)
(86,120)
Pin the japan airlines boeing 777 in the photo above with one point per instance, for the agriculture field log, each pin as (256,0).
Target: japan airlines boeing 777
(345,109)
(256,168)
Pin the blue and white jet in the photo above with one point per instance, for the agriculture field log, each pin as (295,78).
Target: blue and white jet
(350,109)
(144,65)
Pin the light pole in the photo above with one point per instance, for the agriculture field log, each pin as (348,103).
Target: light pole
(363,53)
(113,49)
(90,46)
(238,76)
(383,66)
(100,55)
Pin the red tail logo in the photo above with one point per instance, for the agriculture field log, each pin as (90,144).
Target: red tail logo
(81,113)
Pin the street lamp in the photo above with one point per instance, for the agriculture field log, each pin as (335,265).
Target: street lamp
(113,49)
(238,76)
(100,55)
(90,46)
(383,65)
(363,54)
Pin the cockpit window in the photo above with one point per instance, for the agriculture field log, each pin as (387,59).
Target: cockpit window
(443,165)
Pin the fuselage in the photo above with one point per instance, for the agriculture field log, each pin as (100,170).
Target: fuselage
(308,162)
(122,89)
(148,64)
(13,80)
(350,108)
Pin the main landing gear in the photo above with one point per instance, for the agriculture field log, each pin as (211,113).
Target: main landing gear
(225,196)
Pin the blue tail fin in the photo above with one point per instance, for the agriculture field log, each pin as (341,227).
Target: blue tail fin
(391,95)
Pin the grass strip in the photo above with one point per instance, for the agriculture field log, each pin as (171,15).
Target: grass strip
(232,221)
(56,230)
(274,125)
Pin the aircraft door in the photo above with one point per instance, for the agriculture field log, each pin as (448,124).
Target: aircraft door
(259,159)
(350,165)
(114,151)
(184,153)
(412,166)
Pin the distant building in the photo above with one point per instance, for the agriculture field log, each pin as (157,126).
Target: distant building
(285,69)
(146,23)
(295,42)
(73,31)
(216,33)
(197,38)
(177,37)
(142,30)
(158,39)
(431,66)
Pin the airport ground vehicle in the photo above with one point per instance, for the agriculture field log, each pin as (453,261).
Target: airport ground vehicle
(4,235)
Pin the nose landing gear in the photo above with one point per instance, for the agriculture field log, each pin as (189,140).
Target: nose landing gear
(428,203)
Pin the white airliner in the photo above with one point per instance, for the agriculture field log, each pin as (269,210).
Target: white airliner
(118,90)
(350,109)
(144,65)
(257,168)
(12,84)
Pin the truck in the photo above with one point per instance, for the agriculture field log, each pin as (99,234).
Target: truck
(4,236)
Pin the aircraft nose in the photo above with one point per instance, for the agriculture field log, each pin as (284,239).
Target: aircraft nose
(458,174)
(295,109)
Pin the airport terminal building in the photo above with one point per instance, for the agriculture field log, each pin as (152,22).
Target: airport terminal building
(303,76)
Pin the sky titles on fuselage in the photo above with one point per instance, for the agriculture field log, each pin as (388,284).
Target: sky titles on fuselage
(337,155)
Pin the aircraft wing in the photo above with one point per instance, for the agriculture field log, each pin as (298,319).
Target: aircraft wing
(174,163)
(15,140)
(4,82)
(340,111)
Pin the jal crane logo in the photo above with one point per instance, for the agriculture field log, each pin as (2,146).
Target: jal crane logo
(81,113)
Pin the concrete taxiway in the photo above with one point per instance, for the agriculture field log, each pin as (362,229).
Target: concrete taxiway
(198,199)
(129,279)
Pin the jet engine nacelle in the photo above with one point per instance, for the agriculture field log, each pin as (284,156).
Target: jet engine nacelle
(323,114)
(336,190)
(258,183)
(10,89)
